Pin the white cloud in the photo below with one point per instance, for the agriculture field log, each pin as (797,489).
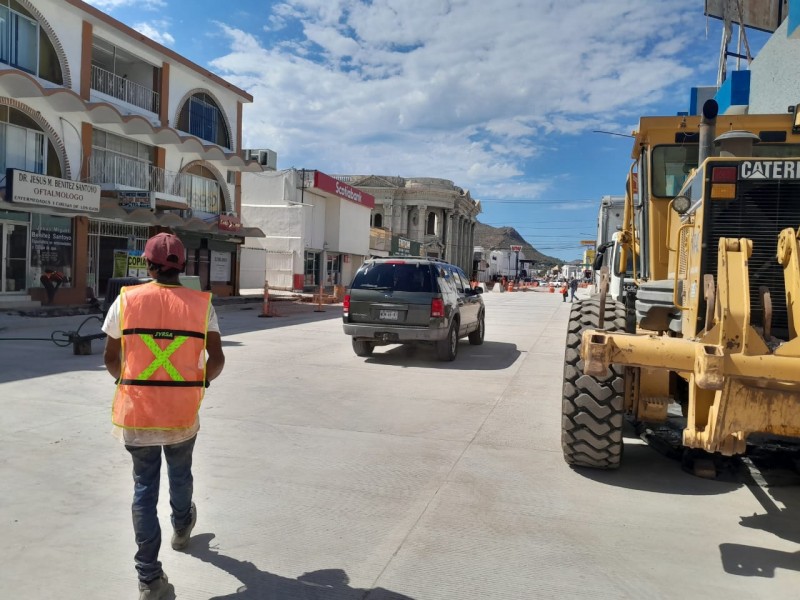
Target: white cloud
(462,89)
(156,31)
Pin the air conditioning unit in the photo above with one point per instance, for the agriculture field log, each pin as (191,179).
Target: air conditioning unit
(266,158)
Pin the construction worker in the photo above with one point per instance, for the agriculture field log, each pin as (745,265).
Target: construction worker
(573,287)
(158,337)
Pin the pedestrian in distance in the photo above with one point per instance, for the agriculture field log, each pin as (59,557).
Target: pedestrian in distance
(573,287)
(158,336)
(564,291)
(51,280)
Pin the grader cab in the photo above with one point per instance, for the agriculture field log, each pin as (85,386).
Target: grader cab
(708,335)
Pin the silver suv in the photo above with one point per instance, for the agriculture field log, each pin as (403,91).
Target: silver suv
(407,300)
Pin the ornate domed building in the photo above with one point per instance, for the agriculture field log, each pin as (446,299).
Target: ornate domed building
(433,212)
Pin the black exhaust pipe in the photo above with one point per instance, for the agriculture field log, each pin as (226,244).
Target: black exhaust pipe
(708,123)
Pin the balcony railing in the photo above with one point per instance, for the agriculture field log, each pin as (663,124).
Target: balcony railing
(107,168)
(124,89)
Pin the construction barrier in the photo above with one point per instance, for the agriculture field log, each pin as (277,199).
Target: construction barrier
(319,301)
(265,307)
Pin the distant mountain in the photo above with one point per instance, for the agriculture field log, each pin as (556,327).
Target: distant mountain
(501,238)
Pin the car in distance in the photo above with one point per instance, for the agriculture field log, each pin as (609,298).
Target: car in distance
(412,300)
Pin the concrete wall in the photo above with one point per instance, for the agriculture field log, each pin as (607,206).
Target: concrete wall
(354,228)
(774,83)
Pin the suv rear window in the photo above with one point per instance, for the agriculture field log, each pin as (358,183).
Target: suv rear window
(397,277)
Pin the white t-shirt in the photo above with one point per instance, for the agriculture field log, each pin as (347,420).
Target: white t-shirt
(149,437)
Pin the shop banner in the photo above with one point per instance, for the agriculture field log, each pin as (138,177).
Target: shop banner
(43,190)
(220,267)
(51,244)
(120,263)
(137,265)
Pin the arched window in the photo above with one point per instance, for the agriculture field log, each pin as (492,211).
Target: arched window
(24,145)
(377,221)
(25,45)
(202,117)
(430,228)
(202,190)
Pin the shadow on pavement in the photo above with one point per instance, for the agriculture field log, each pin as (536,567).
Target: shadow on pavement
(285,314)
(490,356)
(775,481)
(645,469)
(325,584)
(778,488)
(752,561)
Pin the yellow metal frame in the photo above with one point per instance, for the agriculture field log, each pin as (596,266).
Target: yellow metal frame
(737,385)
(675,299)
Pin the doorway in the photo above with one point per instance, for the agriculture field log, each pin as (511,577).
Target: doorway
(13,257)
(104,239)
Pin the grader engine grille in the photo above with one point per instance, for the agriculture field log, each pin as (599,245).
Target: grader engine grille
(761,210)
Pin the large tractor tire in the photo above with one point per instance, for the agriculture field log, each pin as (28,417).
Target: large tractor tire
(592,410)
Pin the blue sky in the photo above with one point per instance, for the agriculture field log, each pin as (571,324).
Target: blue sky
(502,96)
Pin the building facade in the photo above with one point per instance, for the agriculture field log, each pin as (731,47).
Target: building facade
(108,137)
(316,230)
(435,213)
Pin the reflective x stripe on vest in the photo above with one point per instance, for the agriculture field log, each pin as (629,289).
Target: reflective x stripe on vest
(148,337)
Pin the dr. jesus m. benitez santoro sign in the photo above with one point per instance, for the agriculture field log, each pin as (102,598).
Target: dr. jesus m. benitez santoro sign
(28,188)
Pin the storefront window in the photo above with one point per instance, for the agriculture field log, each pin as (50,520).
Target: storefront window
(13,253)
(51,247)
(311,269)
(333,269)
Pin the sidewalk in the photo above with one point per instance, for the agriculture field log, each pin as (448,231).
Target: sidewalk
(246,296)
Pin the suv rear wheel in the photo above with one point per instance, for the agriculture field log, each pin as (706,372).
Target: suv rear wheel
(476,337)
(447,348)
(362,348)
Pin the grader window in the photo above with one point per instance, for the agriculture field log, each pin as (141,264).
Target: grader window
(671,167)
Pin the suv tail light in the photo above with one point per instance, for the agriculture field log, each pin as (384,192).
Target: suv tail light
(437,307)
(346,305)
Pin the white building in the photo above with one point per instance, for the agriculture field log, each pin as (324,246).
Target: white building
(127,138)
(503,263)
(317,230)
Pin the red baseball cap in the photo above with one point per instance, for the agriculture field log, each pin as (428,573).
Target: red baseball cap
(167,250)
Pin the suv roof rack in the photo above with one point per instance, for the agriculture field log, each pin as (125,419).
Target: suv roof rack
(430,258)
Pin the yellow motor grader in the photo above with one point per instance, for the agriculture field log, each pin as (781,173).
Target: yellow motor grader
(705,327)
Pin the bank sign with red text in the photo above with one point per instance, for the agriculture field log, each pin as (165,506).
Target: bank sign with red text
(326,183)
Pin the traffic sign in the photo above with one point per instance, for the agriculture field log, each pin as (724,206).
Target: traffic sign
(516,248)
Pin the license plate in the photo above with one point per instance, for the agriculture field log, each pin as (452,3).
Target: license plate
(388,315)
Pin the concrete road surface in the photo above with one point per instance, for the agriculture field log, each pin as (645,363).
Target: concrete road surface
(322,475)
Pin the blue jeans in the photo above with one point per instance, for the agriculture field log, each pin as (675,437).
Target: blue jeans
(146,480)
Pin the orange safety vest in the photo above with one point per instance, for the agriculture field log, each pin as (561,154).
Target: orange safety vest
(164,332)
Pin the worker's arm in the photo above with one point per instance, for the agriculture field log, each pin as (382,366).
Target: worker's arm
(216,359)
(111,356)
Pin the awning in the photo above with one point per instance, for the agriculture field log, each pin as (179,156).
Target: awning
(21,86)
(111,211)
(253,232)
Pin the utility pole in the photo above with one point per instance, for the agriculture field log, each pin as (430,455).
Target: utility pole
(516,250)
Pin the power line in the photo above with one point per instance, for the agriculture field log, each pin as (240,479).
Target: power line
(593,202)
